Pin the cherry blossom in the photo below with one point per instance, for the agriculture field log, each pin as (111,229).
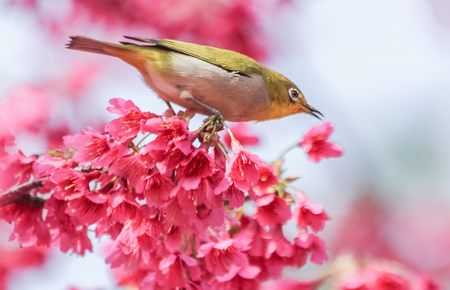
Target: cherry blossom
(310,214)
(315,143)
(173,205)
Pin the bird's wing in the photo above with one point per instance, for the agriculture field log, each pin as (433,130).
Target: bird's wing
(231,61)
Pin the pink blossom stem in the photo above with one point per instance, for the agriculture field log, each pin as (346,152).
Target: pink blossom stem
(286,151)
(22,194)
(143,139)
(222,148)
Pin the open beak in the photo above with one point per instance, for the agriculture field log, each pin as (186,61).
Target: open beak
(314,112)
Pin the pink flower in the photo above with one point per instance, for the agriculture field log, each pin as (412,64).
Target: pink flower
(70,184)
(89,209)
(272,210)
(155,187)
(233,195)
(174,240)
(267,178)
(46,165)
(170,132)
(198,166)
(314,244)
(178,271)
(29,226)
(241,134)
(252,233)
(316,144)
(224,259)
(200,206)
(243,168)
(246,279)
(277,243)
(122,206)
(131,167)
(167,161)
(128,125)
(115,152)
(310,214)
(70,235)
(17,169)
(89,146)
(148,221)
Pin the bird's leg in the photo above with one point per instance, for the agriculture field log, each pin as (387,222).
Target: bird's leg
(215,120)
(211,125)
(170,107)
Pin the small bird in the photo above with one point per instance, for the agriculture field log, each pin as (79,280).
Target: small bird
(205,79)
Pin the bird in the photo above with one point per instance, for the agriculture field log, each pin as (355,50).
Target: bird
(205,79)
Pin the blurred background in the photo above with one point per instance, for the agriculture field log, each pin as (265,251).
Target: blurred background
(378,70)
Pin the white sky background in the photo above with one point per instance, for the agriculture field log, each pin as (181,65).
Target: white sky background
(378,70)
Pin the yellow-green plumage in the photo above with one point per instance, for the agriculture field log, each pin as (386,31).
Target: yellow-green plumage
(206,79)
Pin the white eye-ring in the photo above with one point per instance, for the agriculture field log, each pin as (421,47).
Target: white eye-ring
(294,95)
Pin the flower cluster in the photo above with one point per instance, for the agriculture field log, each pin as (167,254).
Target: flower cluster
(179,209)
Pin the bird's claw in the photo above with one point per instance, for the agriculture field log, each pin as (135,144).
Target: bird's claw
(211,125)
(216,114)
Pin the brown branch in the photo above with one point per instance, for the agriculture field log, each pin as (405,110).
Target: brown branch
(21,194)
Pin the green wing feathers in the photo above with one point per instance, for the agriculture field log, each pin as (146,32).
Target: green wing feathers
(155,49)
(226,59)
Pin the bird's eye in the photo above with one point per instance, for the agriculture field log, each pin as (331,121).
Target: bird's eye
(294,95)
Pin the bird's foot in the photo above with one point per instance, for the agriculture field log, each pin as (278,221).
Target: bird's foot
(211,125)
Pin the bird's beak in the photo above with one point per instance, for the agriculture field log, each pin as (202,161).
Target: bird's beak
(314,112)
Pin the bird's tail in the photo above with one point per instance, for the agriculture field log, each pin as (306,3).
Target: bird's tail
(91,45)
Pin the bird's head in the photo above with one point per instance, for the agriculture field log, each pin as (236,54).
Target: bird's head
(286,97)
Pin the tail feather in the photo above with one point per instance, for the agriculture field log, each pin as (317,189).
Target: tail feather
(91,45)
(130,53)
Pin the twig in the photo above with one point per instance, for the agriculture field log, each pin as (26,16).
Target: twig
(286,151)
(222,148)
(143,139)
(21,194)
